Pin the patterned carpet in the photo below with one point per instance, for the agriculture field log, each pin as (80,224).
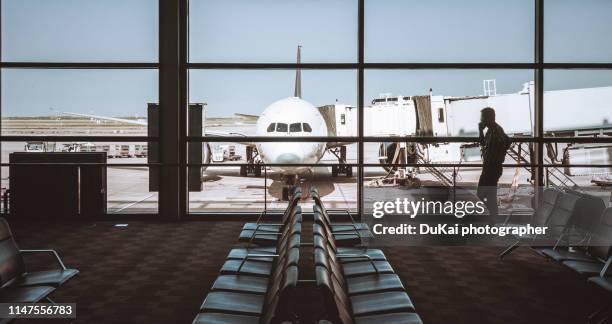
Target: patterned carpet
(470,285)
(155,272)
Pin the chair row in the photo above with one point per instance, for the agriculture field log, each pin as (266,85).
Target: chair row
(263,232)
(358,285)
(580,226)
(20,285)
(257,282)
(570,217)
(346,234)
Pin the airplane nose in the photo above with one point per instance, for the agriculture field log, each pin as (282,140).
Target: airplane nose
(288,158)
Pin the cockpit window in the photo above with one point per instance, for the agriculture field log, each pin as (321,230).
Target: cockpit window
(307,128)
(295,128)
(281,127)
(271,127)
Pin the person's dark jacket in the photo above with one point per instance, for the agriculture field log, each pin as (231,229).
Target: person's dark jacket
(494,145)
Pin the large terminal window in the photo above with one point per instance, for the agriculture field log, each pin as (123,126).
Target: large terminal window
(77,76)
(366,90)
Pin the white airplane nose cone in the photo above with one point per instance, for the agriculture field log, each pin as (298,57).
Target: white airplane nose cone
(288,158)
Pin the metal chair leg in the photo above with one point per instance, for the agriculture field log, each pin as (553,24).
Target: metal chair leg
(509,250)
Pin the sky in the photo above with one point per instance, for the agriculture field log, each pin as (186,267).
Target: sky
(269,31)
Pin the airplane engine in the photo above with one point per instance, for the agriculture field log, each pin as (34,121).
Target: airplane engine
(206,155)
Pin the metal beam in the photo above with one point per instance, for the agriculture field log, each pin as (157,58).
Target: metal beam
(169,105)
(360,104)
(539,94)
(72,65)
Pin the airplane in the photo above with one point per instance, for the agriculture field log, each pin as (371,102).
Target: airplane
(289,117)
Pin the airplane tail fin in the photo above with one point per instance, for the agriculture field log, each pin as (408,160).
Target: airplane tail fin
(298,75)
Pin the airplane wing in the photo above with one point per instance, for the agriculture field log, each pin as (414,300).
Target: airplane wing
(247,117)
(144,123)
(120,120)
(236,134)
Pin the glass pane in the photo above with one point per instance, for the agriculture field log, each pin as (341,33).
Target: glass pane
(467,177)
(407,102)
(270,31)
(253,194)
(578,31)
(295,128)
(80,31)
(236,110)
(449,31)
(243,152)
(126,187)
(128,191)
(585,94)
(596,181)
(251,187)
(122,152)
(76,102)
(281,127)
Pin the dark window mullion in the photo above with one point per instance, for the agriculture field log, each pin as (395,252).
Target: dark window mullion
(360,103)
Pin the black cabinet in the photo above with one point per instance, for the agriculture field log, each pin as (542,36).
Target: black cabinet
(52,186)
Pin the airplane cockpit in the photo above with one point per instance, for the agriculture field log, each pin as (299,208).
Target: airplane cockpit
(289,128)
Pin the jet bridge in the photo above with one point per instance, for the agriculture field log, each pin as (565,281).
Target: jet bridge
(341,120)
(391,116)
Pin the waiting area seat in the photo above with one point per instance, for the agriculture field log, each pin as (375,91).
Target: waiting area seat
(262,226)
(20,285)
(260,237)
(357,287)
(259,281)
(346,233)
(558,218)
(581,229)
(256,283)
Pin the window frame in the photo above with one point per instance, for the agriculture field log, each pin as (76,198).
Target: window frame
(173,66)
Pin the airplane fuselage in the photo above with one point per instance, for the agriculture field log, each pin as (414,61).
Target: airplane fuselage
(291,117)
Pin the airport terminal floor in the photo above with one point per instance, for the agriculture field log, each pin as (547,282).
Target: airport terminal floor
(158,272)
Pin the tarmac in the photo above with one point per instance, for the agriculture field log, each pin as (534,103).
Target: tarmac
(223,189)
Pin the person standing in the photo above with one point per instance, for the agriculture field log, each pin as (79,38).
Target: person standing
(493,146)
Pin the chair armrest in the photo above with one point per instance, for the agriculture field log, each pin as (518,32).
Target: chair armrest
(57,257)
(249,256)
(353,223)
(344,211)
(255,233)
(606,268)
(359,256)
(255,230)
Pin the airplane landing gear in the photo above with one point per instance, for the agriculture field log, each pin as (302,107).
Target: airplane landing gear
(341,168)
(253,166)
(288,182)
